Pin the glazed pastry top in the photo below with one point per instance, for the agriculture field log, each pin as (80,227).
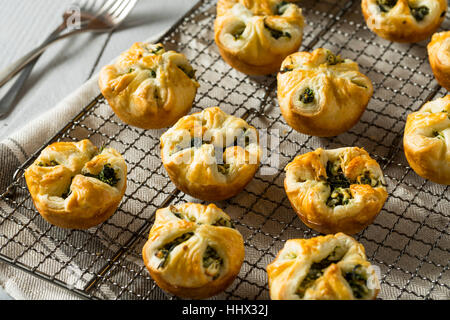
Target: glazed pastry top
(211,147)
(338,190)
(321,82)
(76,178)
(325,267)
(418,13)
(191,245)
(427,132)
(145,81)
(252,28)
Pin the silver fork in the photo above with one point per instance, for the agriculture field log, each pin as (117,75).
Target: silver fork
(95,16)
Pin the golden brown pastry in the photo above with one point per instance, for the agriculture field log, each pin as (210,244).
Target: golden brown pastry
(339,190)
(210,155)
(404,20)
(254,36)
(332,267)
(148,87)
(321,94)
(74,185)
(193,251)
(426,140)
(439,56)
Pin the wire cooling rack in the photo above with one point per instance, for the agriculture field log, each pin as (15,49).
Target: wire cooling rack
(409,240)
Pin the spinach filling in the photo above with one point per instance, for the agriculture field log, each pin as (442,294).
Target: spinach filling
(107,175)
(354,278)
(286,69)
(276,34)
(307,96)
(290,255)
(281,8)
(222,222)
(179,215)
(212,262)
(448,113)
(157,49)
(163,253)
(315,272)
(339,197)
(243,140)
(333,59)
(419,13)
(339,184)
(438,135)
(51,163)
(190,72)
(368,178)
(68,192)
(223,168)
(386,5)
(237,33)
(357,282)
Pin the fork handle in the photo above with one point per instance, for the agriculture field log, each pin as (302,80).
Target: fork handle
(7,100)
(10,71)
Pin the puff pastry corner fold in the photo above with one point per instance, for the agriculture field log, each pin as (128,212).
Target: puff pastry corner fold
(426,140)
(148,87)
(254,36)
(193,250)
(211,155)
(338,190)
(332,267)
(320,93)
(74,185)
(439,57)
(404,20)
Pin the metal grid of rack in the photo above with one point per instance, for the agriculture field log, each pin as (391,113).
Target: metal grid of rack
(409,240)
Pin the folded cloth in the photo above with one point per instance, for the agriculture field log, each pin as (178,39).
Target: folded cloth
(14,150)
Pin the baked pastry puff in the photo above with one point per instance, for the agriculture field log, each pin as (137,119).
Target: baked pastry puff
(74,185)
(439,57)
(148,87)
(426,140)
(332,267)
(339,190)
(211,155)
(321,94)
(254,36)
(193,250)
(404,20)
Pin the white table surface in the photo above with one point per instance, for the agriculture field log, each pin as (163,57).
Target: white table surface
(24,24)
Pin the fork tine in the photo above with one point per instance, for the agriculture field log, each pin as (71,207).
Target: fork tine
(79,3)
(90,5)
(116,6)
(106,7)
(125,9)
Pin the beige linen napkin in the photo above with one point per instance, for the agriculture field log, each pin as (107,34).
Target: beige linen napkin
(14,150)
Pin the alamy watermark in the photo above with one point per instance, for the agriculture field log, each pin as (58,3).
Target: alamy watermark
(73,17)
(224,147)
